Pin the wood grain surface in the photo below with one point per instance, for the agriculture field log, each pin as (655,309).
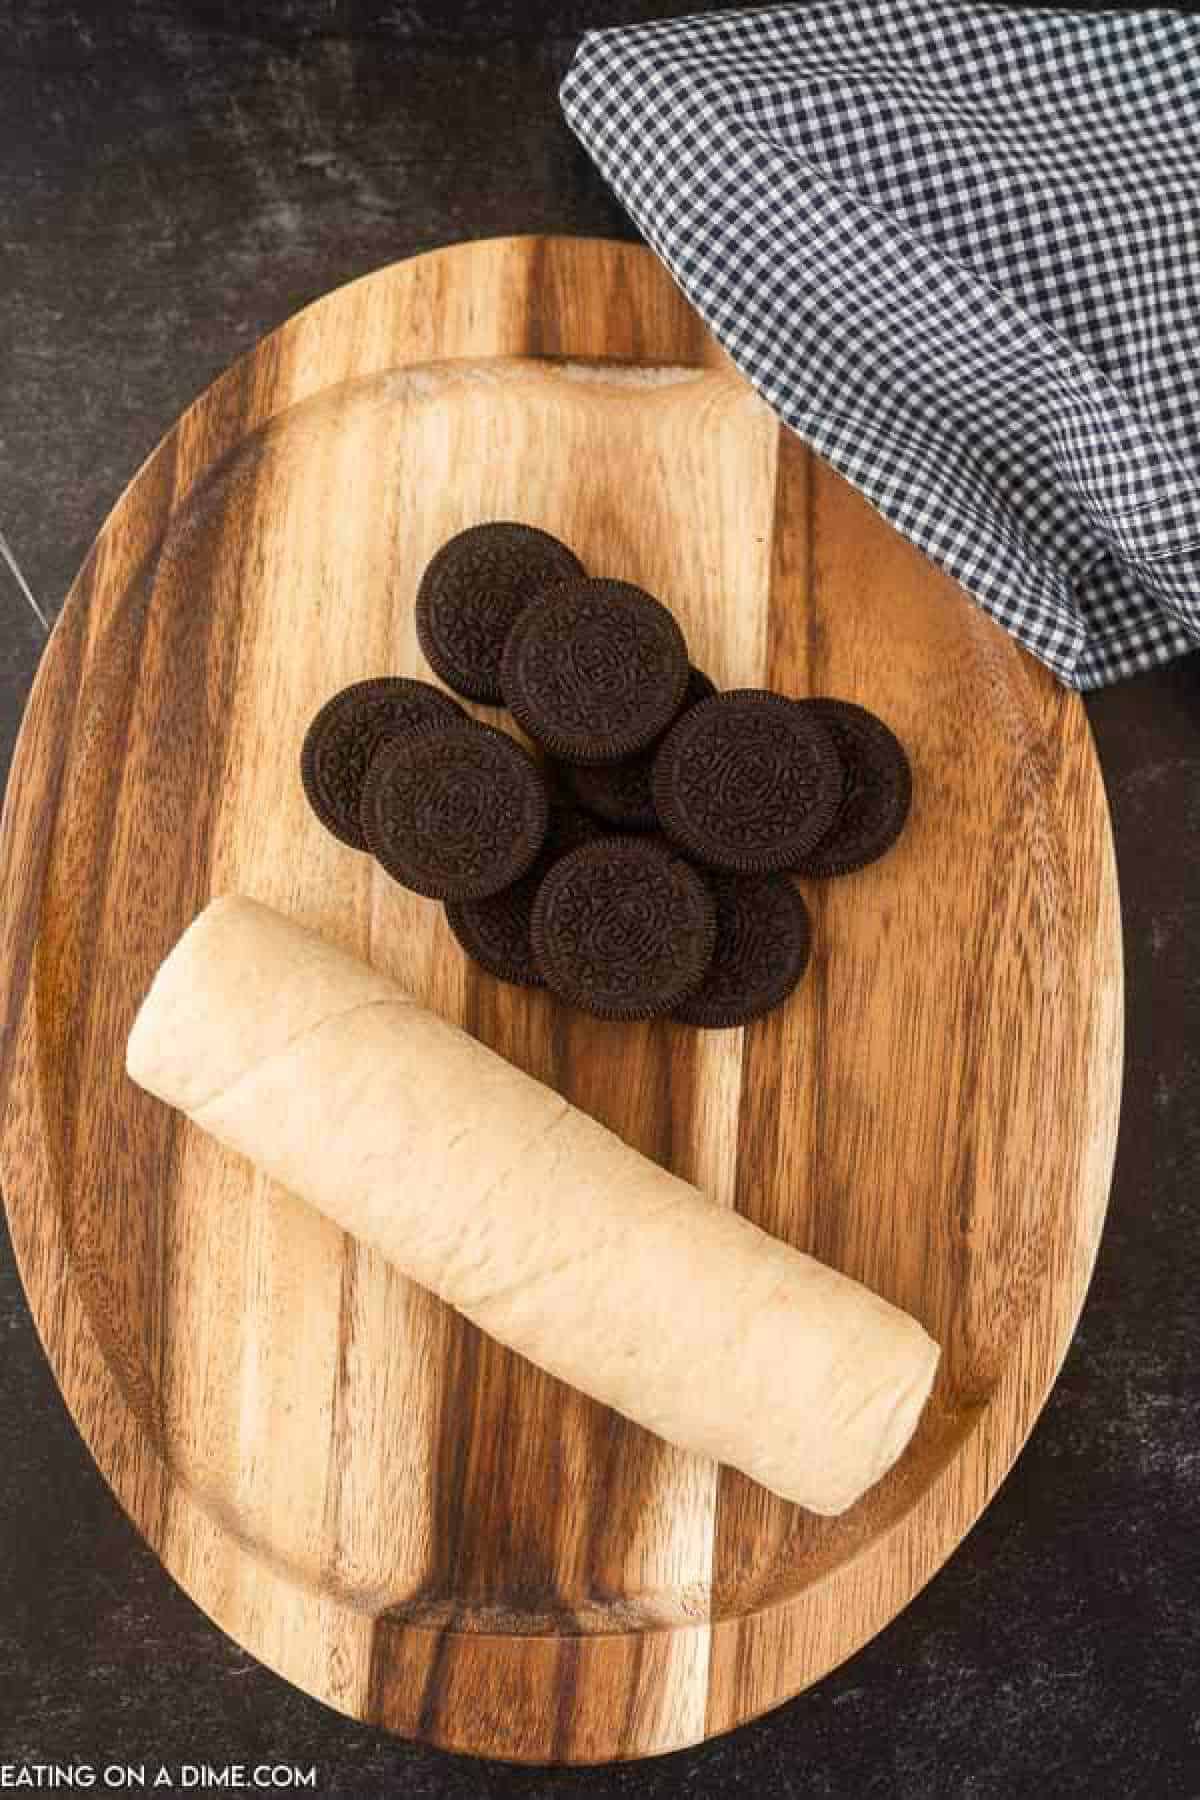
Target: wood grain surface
(405,1519)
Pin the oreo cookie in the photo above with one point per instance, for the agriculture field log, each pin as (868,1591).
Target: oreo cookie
(346,733)
(763,944)
(494,931)
(472,591)
(620,793)
(747,781)
(595,670)
(876,789)
(622,929)
(455,813)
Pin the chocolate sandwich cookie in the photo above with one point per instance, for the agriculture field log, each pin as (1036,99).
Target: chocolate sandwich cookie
(455,813)
(747,781)
(620,793)
(473,590)
(762,950)
(595,670)
(346,733)
(494,931)
(623,929)
(876,789)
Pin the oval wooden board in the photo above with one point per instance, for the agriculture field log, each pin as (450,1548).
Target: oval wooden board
(405,1519)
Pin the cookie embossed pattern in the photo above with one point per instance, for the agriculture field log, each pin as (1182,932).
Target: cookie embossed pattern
(595,671)
(747,781)
(764,939)
(346,733)
(876,789)
(494,930)
(473,592)
(457,813)
(624,929)
(622,793)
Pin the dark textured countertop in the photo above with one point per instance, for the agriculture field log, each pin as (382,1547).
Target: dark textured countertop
(172,185)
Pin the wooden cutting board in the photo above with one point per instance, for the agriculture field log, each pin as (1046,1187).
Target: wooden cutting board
(405,1519)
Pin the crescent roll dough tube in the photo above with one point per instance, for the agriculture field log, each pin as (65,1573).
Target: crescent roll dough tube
(525,1214)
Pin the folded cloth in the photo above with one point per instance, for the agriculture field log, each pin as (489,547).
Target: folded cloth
(958,251)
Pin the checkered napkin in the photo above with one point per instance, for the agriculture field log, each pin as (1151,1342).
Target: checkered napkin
(958,251)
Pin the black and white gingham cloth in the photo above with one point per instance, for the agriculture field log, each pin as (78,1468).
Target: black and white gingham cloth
(958,251)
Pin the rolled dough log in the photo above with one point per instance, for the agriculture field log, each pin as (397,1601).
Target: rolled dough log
(527,1215)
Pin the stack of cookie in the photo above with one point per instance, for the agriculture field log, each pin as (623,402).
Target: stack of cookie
(641,866)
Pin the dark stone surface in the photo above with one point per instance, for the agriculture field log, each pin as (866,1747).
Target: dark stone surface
(172,185)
